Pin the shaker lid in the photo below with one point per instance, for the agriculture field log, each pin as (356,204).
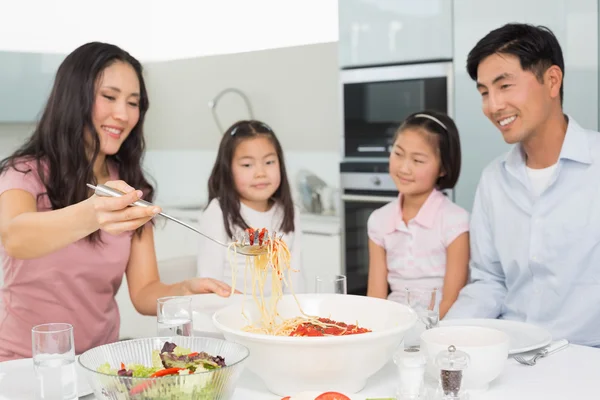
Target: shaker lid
(410,357)
(452,359)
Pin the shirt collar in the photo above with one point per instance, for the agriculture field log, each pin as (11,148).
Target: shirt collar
(426,215)
(429,210)
(575,147)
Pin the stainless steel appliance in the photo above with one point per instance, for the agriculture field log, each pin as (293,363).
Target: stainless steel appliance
(375,101)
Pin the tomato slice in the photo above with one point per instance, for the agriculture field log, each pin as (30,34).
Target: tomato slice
(286,398)
(261,236)
(332,396)
(250,235)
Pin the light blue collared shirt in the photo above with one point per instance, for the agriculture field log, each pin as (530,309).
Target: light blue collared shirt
(537,259)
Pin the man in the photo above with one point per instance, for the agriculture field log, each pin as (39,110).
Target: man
(535,225)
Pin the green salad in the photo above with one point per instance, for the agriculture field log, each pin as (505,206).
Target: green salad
(170,361)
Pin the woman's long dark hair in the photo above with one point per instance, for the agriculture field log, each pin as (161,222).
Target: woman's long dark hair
(58,144)
(221,185)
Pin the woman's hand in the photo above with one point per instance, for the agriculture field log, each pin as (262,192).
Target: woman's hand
(114,215)
(206,285)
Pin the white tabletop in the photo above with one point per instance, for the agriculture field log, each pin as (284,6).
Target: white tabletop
(568,374)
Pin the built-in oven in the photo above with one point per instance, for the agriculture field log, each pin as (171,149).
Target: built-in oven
(377,99)
(375,102)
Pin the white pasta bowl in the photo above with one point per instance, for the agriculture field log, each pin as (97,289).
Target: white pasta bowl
(487,349)
(289,365)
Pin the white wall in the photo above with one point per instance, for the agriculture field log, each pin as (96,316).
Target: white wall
(12,136)
(294,90)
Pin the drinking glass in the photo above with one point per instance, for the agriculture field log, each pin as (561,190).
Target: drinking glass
(174,316)
(425,302)
(53,352)
(331,284)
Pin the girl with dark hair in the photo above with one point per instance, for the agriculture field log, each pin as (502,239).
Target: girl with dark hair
(421,240)
(64,249)
(248,188)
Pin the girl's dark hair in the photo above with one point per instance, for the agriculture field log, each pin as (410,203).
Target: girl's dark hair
(58,142)
(221,185)
(536,47)
(446,140)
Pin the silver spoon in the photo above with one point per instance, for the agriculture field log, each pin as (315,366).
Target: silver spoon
(242,242)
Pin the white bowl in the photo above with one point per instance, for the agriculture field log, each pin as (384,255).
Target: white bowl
(289,365)
(486,347)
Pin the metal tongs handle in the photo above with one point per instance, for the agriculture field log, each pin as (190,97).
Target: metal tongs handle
(107,191)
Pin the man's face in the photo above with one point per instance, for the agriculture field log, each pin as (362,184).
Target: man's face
(514,100)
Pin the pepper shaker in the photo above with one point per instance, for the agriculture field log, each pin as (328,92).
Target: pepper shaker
(411,364)
(452,363)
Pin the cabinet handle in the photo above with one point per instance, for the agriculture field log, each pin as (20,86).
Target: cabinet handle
(367,199)
(320,233)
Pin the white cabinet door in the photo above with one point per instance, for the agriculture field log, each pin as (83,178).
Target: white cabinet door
(25,83)
(375,32)
(320,255)
(575,24)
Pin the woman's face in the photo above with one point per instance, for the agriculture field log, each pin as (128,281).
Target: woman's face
(116,108)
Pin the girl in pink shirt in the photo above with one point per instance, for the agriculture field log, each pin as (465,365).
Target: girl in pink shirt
(64,250)
(421,239)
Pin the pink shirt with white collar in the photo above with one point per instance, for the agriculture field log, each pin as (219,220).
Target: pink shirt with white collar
(416,252)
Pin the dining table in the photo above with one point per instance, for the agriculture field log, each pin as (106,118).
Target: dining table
(570,374)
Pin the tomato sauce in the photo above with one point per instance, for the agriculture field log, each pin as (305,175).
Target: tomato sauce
(332,328)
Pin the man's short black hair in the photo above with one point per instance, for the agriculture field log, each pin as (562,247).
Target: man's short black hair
(536,47)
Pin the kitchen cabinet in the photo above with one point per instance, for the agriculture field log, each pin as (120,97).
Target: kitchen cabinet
(25,83)
(575,24)
(373,32)
(321,254)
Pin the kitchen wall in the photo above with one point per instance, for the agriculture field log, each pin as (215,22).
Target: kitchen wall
(294,90)
(12,136)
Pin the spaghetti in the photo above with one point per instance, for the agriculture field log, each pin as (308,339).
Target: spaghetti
(275,263)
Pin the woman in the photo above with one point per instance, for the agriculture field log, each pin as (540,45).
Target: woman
(64,249)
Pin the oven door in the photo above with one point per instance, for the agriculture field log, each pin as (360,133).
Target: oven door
(357,209)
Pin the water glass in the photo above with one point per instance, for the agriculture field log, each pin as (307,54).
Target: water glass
(425,302)
(174,316)
(53,352)
(331,284)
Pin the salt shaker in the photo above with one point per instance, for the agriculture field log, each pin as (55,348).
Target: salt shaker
(452,363)
(411,369)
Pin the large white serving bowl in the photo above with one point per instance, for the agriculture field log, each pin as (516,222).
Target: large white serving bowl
(289,365)
(487,349)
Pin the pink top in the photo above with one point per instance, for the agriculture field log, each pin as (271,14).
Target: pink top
(76,284)
(416,254)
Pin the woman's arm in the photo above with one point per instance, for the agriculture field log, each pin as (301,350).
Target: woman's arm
(378,271)
(26,233)
(457,271)
(144,281)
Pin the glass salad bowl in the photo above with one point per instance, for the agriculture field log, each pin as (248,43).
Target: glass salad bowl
(173,368)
